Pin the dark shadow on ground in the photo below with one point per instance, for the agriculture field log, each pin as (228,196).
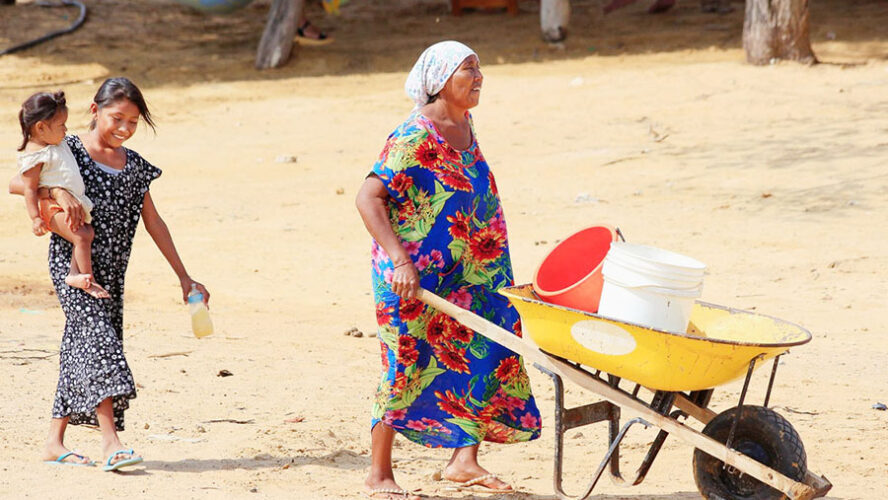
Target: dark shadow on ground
(683,495)
(160,42)
(531,496)
(340,459)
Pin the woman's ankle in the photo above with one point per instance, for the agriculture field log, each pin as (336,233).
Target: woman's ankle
(379,476)
(53,444)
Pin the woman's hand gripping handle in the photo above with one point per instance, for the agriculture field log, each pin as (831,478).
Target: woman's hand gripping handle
(405,280)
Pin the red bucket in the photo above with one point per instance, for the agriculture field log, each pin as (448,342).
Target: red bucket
(570,275)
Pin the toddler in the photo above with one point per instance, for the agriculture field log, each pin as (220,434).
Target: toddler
(46,161)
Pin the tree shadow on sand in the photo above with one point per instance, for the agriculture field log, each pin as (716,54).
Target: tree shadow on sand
(160,42)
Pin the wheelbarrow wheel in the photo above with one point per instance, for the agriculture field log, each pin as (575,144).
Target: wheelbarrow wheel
(762,435)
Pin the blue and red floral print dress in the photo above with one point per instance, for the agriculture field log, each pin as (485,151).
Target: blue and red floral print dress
(443,385)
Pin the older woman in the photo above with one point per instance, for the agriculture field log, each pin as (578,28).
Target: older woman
(432,207)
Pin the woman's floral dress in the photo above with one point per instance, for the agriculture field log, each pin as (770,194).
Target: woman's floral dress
(443,385)
(92,366)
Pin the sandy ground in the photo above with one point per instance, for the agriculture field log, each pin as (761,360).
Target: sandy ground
(775,177)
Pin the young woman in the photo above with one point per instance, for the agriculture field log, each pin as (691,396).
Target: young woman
(95,382)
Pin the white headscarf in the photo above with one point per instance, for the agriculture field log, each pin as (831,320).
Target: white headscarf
(433,68)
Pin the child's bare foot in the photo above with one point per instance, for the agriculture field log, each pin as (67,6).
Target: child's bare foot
(53,451)
(85,282)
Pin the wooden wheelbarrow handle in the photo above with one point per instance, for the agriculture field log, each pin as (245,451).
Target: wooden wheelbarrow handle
(493,332)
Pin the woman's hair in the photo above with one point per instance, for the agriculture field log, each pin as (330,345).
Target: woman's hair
(116,89)
(41,106)
(433,98)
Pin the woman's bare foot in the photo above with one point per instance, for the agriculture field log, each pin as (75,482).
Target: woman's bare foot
(52,452)
(474,475)
(387,489)
(85,282)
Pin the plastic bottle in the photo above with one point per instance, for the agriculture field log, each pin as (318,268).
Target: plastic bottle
(201,324)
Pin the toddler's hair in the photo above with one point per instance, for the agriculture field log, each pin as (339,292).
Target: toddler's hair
(41,106)
(113,90)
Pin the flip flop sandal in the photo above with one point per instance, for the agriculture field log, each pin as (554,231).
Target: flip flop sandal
(476,485)
(372,494)
(61,460)
(123,463)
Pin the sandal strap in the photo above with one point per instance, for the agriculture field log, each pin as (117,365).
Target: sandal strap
(129,452)
(480,479)
(388,491)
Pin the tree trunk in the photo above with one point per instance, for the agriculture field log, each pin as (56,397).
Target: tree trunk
(554,18)
(277,39)
(777,29)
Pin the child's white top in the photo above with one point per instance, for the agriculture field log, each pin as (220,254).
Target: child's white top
(59,170)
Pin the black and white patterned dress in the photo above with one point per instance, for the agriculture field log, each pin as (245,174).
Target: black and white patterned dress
(92,366)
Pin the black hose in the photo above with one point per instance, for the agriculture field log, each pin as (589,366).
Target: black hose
(78,23)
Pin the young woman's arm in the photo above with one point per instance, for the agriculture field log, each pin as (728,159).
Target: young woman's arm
(159,232)
(70,205)
(372,203)
(31,181)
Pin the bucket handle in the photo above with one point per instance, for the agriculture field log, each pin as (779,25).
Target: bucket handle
(620,234)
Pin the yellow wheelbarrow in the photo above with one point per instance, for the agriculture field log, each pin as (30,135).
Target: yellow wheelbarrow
(746,452)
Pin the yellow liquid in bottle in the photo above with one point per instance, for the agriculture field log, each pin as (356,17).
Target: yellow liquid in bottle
(201,324)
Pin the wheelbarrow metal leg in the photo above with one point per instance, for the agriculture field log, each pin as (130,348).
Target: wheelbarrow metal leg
(611,454)
(662,403)
(701,398)
(771,381)
(569,418)
(740,404)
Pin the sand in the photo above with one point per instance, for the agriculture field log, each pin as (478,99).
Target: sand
(773,176)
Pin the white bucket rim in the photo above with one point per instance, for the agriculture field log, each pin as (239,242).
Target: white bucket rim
(642,252)
(647,267)
(633,278)
(695,291)
(630,275)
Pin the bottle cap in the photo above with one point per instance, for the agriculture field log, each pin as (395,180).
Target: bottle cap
(194,296)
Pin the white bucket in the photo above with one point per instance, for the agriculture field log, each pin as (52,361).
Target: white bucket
(649,286)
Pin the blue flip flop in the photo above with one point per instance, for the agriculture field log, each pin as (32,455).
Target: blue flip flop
(123,463)
(61,460)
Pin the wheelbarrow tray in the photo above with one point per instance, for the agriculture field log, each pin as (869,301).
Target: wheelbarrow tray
(717,348)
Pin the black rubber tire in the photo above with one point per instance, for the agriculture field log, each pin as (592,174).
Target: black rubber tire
(763,435)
